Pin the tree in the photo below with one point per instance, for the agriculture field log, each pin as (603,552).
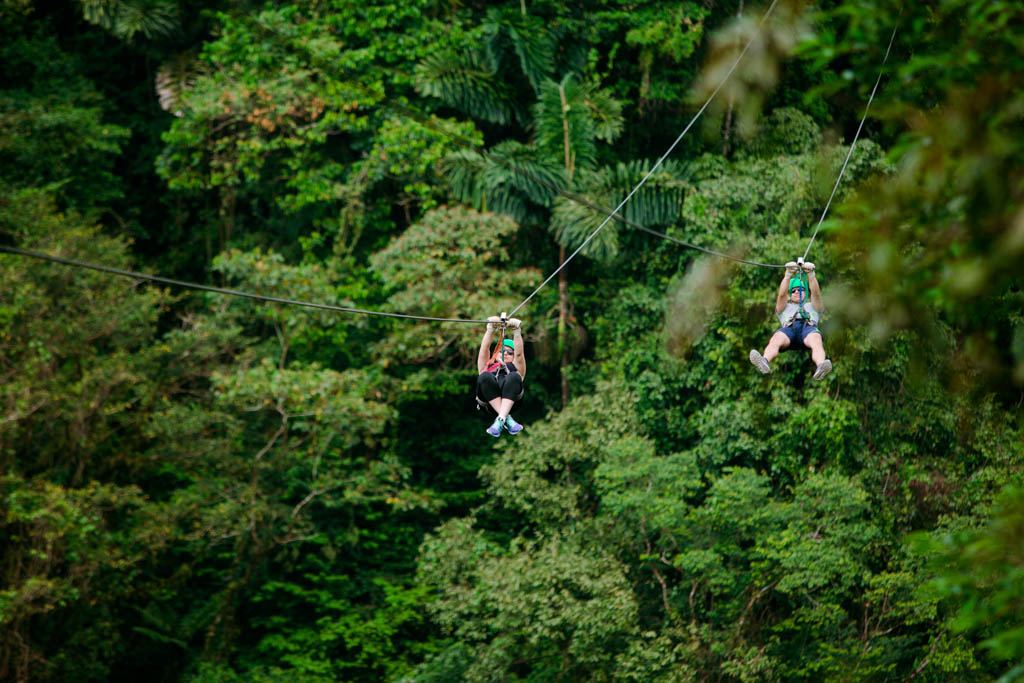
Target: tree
(568,118)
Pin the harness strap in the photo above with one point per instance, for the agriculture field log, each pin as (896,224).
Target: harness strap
(803,315)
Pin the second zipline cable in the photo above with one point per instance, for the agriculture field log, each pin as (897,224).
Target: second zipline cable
(656,165)
(852,144)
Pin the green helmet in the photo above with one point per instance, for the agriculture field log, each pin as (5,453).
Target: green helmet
(509,343)
(797,282)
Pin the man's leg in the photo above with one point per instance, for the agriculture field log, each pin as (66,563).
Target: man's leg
(778,342)
(822,365)
(814,342)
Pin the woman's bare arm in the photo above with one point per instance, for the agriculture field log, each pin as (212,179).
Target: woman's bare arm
(518,357)
(484,354)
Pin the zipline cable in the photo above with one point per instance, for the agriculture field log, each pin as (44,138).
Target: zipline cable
(656,165)
(853,144)
(221,290)
(705,250)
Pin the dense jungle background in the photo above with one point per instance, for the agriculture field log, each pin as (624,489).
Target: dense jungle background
(204,488)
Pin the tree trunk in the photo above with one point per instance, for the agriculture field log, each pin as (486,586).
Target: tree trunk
(728,113)
(563,280)
(563,321)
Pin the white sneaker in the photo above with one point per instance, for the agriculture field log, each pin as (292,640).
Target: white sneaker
(759,362)
(823,369)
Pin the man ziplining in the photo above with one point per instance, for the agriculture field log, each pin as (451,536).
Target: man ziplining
(799,319)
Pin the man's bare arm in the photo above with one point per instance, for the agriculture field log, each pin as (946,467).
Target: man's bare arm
(783,296)
(812,282)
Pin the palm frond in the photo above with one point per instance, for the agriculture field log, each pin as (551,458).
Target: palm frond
(572,222)
(605,111)
(126,18)
(658,202)
(555,115)
(477,181)
(535,47)
(464,81)
(463,169)
(527,170)
(508,179)
(175,77)
(529,37)
(583,112)
(505,200)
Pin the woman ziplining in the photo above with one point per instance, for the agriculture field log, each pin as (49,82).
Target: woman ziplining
(499,385)
(798,318)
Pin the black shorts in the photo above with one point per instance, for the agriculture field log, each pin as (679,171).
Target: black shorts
(490,386)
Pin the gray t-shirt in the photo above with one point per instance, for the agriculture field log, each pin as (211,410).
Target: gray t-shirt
(791,311)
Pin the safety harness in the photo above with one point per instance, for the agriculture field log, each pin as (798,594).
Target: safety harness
(499,368)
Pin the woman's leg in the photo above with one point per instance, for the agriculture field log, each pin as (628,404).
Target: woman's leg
(511,387)
(504,407)
(778,342)
(489,390)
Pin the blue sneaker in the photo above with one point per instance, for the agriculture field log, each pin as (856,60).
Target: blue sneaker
(512,426)
(495,428)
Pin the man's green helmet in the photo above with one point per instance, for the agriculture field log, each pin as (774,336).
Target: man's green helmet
(797,282)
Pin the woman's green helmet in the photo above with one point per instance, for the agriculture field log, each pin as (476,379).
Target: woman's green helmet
(510,344)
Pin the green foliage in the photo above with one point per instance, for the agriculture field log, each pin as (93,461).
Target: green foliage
(466,81)
(453,263)
(547,479)
(337,639)
(553,607)
(570,117)
(507,179)
(276,93)
(62,546)
(55,129)
(786,131)
(978,573)
(125,19)
(672,32)
(221,489)
(657,203)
